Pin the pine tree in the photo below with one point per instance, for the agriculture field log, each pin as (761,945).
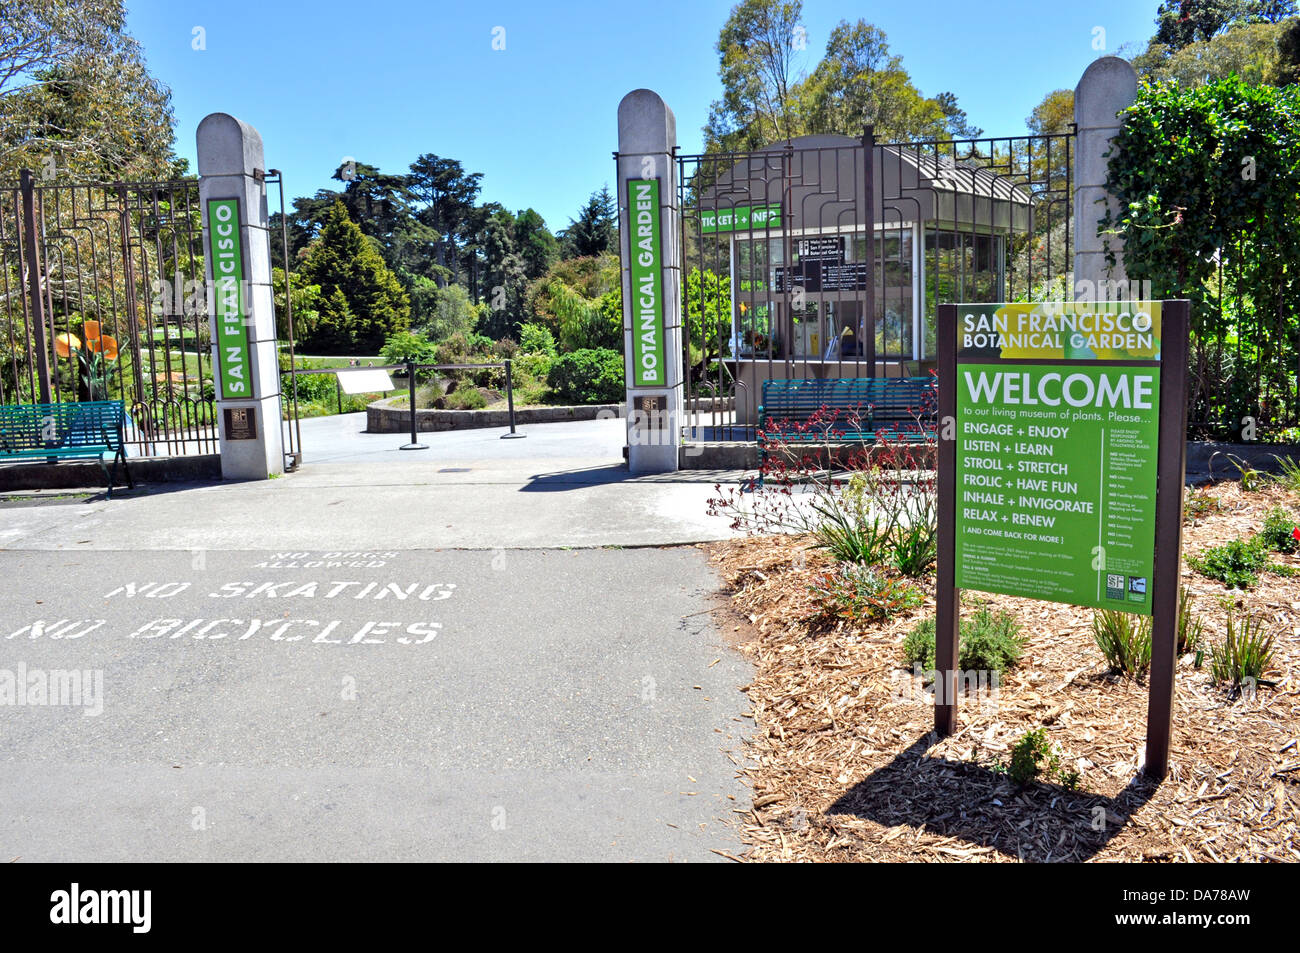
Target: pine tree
(595,230)
(362,302)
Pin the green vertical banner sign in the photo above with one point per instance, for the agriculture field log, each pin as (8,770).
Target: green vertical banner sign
(1057,430)
(234,364)
(646,267)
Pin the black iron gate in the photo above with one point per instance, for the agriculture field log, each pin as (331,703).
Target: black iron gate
(103,297)
(826,257)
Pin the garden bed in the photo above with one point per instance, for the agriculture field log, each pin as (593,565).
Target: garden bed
(843,764)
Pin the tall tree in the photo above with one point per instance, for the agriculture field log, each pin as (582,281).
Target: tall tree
(537,247)
(444,195)
(76,97)
(361,302)
(1180,23)
(959,125)
(859,82)
(756,50)
(595,230)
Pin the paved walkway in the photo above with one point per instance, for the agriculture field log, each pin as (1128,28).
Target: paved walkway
(372,661)
(564,485)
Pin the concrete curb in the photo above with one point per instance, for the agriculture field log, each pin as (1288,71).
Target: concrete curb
(82,474)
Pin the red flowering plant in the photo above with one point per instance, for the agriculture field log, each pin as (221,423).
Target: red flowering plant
(875,503)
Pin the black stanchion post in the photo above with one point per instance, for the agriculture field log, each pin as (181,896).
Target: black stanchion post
(510,403)
(410,389)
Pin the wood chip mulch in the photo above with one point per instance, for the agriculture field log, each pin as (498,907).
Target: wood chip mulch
(844,767)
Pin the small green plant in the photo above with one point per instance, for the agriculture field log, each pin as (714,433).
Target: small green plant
(989,642)
(1191,629)
(1033,755)
(1199,505)
(861,594)
(1124,640)
(1251,478)
(1246,652)
(1289,473)
(1237,563)
(1279,531)
(850,532)
(913,547)
(465,398)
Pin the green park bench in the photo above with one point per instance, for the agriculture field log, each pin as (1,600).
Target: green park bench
(847,411)
(66,431)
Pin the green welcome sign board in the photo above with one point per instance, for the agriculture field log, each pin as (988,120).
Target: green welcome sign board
(646,268)
(226,254)
(1057,431)
(1061,458)
(742,218)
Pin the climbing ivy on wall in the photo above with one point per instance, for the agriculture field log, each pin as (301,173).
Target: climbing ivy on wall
(1208,186)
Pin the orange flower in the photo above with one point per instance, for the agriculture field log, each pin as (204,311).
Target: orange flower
(107,345)
(65,344)
(91,330)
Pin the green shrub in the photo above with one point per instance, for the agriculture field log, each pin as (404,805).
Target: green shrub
(881,517)
(536,339)
(1246,652)
(1124,640)
(861,594)
(1034,755)
(405,346)
(1279,525)
(1237,564)
(461,348)
(988,642)
(588,376)
(465,398)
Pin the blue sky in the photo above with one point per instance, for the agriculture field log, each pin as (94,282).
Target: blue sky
(385,80)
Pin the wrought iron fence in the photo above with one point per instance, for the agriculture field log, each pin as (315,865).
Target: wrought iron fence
(1245,353)
(103,296)
(827,256)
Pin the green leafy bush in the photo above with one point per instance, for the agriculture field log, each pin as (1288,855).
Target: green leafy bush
(858,593)
(988,642)
(1237,563)
(465,397)
(1124,640)
(1279,527)
(536,339)
(1033,756)
(588,376)
(1246,652)
(406,346)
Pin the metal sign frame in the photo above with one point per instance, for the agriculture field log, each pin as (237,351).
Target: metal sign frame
(1167,544)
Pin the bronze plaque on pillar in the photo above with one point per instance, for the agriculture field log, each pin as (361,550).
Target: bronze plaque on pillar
(241,423)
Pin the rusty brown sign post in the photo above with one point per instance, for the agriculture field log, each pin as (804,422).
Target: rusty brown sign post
(1061,466)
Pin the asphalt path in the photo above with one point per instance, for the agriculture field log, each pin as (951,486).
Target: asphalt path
(411,704)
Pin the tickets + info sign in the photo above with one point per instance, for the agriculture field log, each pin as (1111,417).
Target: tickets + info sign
(1057,432)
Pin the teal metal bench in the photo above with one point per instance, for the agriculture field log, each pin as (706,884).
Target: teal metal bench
(68,431)
(847,410)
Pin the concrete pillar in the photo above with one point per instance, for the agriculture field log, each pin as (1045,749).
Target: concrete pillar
(241,310)
(650,240)
(1108,86)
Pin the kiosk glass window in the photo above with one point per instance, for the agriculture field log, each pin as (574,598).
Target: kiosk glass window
(755,331)
(895,298)
(960,266)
